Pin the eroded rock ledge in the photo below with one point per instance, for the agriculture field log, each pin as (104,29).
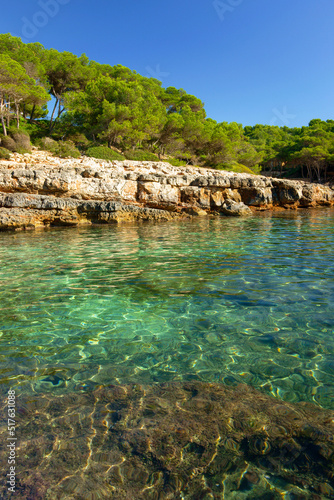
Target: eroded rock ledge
(39,190)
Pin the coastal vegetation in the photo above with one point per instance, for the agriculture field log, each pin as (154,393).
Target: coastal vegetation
(113,113)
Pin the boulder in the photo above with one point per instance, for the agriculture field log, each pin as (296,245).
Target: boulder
(235,209)
(195,211)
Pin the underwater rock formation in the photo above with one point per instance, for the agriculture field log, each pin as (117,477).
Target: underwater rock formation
(189,440)
(45,191)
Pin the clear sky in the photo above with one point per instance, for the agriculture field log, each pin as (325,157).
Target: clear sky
(249,61)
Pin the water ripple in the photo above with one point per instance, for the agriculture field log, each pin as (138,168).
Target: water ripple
(213,300)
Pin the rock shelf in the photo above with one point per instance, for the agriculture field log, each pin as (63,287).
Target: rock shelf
(39,190)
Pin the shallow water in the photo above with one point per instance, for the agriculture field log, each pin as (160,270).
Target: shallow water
(223,300)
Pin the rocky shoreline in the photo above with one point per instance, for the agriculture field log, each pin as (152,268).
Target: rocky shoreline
(38,190)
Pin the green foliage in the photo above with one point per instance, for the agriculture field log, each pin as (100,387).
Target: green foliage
(80,140)
(123,113)
(236,167)
(36,130)
(8,143)
(17,87)
(16,141)
(4,154)
(66,149)
(63,149)
(306,151)
(47,144)
(22,141)
(256,169)
(175,162)
(104,153)
(97,103)
(140,156)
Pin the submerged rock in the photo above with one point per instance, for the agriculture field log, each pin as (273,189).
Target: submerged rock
(188,440)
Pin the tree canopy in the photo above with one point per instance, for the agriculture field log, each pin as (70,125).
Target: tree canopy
(116,107)
(17,87)
(300,152)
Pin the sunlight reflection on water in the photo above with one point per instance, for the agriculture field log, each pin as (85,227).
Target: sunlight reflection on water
(242,300)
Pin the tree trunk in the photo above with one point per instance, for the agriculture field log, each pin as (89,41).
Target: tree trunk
(7,106)
(309,172)
(53,112)
(32,114)
(60,111)
(3,126)
(2,113)
(17,115)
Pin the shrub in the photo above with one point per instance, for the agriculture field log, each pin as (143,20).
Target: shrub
(22,141)
(63,149)
(8,143)
(176,163)
(140,155)
(235,167)
(47,144)
(16,141)
(37,130)
(4,154)
(80,140)
(104,153)
(67,149)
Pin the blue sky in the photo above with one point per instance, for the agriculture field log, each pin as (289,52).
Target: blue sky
(249,61)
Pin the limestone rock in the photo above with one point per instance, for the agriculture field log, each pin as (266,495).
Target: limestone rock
(38,189)
(235,209)
(287,192)
(231,194)
(157,194)
(257,196)
(195,211)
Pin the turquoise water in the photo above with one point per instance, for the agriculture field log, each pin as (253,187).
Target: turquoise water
(224,300)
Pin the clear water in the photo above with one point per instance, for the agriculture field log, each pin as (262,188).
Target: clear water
(225,300)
